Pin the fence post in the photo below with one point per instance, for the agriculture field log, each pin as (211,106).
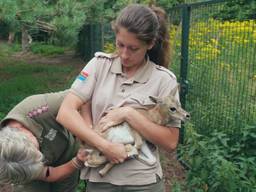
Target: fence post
(186,11)
(90,40)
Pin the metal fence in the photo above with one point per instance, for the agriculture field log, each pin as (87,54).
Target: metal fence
(215,62)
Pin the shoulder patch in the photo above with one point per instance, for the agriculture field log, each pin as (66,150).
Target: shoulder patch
(105,55)
(161,68)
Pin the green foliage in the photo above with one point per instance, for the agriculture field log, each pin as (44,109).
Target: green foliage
(220,163)
(109,47)
(81,186)
(220,147)
(238,10)
(4,30)
(167,5)
(177,187)
(69,17)
(222,76)
(21,13)
(46,49)
(7,50)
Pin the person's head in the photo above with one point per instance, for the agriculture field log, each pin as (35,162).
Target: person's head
(142,30)
(20,160)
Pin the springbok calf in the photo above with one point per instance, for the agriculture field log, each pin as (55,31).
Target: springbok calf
(165,110)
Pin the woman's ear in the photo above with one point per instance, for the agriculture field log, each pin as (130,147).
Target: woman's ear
(150,45)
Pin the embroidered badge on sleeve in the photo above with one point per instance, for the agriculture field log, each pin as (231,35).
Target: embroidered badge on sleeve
(38,111)
(83,76)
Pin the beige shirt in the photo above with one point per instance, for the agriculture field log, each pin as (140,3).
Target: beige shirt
(103,82)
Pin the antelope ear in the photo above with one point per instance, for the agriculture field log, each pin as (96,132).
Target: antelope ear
(174,90)
(154,99)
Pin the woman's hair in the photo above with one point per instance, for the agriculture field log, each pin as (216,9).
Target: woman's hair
(20,160)
(150,25)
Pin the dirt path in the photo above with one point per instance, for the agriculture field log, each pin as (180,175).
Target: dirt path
(69,58)
(172,169)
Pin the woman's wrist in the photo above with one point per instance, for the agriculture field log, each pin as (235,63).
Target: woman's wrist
(129,111)
(77,163)
(129,114)
(105,146)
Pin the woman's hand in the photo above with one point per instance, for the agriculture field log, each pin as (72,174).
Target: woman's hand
(115,152)
(82,155)
(113,117)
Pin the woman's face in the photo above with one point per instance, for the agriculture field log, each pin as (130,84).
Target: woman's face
(131,50)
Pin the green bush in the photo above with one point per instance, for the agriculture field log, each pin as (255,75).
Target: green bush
(46,49)
(220,163)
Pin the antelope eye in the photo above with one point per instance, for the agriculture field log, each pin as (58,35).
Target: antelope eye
(172,109)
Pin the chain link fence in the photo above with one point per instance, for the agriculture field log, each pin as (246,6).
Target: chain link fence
(215,62)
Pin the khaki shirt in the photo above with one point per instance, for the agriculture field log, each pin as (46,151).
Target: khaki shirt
(38,114)
(103,82)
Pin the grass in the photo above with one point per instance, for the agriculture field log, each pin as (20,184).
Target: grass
(19,79)
(46,50)
(6,50)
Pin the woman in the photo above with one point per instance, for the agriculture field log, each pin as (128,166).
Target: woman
(36,152)
(115,84)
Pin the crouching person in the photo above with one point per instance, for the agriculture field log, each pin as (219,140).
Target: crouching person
(36,153)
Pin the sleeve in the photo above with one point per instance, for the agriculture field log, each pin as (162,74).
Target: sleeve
(85,82)
(26,111)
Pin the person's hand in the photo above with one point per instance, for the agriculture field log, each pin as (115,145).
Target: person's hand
(115,152)
(113,117)
(82,155)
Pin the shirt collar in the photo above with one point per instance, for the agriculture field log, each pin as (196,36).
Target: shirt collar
(141,76)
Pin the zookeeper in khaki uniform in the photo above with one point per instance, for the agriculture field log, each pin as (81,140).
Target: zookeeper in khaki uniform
(38,114)
(96,82)
(115,84)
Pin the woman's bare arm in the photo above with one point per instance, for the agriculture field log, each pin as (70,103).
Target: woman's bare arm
(70,118)
(53,174)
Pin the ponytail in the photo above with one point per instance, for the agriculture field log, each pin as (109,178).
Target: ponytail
(160,53)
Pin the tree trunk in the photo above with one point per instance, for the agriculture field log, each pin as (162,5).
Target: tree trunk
(11,37)
(25,39)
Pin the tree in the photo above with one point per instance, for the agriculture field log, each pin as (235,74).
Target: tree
(62,18)
(238,10)
(68,16)
(21,15)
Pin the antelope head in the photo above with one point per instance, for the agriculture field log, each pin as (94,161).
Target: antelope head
(169,108)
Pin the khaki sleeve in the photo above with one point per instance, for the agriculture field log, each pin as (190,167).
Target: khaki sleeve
(26,110)
(84,84)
